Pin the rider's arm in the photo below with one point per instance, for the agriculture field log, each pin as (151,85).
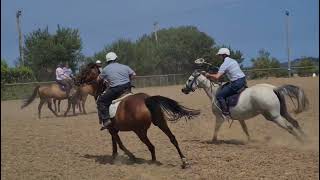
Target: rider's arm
(132,76)
(213,76)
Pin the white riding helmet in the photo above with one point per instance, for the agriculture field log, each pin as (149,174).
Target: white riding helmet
(98,62)
(111,56)
(224,51)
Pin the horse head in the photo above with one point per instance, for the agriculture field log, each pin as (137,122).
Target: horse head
(196,80)
(89,73)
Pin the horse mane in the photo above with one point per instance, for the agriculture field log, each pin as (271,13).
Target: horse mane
(85,70)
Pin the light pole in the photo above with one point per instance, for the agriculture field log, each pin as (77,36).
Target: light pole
(18,14)
(155,26)
(288,48)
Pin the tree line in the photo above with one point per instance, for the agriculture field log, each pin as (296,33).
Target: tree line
(173,52)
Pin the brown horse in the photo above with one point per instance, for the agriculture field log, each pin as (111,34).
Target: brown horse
(49,92)
(84,90)
(136,113)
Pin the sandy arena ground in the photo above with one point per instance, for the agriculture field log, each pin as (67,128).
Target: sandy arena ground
(74,148)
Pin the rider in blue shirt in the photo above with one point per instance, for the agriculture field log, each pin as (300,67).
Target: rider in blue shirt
(119,77)
(237,78)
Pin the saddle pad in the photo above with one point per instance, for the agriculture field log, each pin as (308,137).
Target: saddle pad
(115,103)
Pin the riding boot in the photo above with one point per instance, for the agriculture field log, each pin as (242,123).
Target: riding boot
(224,108)
(104,117)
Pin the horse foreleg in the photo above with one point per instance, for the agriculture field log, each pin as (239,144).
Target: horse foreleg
(244,128)
(84,99)
(42,101)
(122,147)
(74,107)
(144,138)
(164,127)
(59,102)
(68,108)
(114,146)
(79,105)
(50,107)
(219,121)
(55,105)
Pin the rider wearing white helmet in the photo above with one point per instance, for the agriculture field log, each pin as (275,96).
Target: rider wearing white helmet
(99,64)
(119,77)
(237,78)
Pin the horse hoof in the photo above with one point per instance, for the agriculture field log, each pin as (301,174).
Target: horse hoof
(185,163)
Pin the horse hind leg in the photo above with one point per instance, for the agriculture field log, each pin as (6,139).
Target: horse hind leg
(283,123)
(294,122)
(245,129)
(42,101)
(144,138)
(164,127)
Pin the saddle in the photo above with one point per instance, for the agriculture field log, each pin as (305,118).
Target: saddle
(232,100)
(115,103)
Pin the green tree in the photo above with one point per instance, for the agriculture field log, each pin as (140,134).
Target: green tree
(44,51)
(308,65)
(174,52)
(264,61)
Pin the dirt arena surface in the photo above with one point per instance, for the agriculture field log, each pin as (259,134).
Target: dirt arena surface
(74,147)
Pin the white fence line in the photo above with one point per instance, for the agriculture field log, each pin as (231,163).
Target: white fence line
(171,75)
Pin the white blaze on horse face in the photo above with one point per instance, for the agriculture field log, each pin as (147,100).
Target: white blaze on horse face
(190,84)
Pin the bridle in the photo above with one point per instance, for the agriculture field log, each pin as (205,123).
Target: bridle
(195,77)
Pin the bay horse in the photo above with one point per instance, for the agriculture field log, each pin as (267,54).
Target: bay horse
(264,99)
(49,92)
(137,112)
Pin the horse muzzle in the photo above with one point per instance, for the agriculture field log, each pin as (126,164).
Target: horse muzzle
(185,90)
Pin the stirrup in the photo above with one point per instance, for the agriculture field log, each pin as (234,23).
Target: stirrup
(106,126)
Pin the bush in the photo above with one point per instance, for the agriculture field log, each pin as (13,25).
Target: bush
(15,75)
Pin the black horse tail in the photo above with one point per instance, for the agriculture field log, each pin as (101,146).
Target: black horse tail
(31,98)
(293,92)
(173,110)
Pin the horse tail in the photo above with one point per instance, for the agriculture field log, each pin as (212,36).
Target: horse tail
(173,110)
(293,92)
(296,93)
(31,98)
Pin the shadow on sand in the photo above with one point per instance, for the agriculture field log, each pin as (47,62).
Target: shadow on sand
(107,159)
(217,142)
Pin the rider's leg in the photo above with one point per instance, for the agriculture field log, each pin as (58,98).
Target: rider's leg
(67,85)
(103,103)
(221,95)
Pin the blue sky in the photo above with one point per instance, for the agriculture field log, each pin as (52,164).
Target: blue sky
(245,25)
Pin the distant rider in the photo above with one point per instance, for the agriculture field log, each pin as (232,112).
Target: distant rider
(62,79)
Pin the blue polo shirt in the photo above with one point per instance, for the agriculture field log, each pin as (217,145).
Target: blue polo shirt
(116,74)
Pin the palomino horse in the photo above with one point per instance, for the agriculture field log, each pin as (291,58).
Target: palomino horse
(136,113)
(264,99)
(49,92)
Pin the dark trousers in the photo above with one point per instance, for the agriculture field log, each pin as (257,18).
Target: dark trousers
(65,83)
(106,98)
(229,90)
